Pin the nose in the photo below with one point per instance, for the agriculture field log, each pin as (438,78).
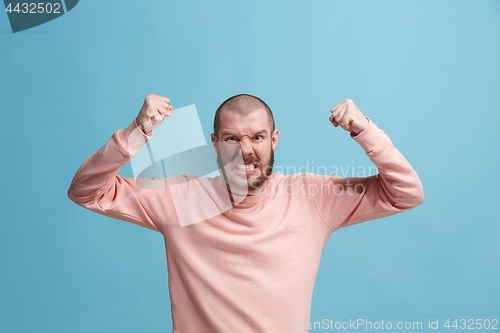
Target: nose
(246,147)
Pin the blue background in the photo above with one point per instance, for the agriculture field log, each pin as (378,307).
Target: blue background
(426,72)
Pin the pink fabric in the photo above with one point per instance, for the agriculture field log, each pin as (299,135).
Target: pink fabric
(250,268)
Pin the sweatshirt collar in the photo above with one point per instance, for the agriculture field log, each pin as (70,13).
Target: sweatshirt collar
(239,201)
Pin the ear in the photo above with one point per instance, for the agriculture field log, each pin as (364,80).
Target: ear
(275,138)
(214,142)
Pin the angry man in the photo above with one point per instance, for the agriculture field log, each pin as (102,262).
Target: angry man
(243,248)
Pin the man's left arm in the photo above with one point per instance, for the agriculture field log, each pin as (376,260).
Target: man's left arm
(396,188)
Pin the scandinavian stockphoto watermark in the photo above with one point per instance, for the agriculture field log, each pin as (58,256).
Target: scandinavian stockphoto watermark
(25,15)
(179,148)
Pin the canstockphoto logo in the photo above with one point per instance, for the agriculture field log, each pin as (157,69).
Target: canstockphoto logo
(25,15)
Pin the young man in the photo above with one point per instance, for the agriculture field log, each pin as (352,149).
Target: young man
(243,249)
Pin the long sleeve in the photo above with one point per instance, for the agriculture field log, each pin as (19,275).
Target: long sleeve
(98,187)
(343,202)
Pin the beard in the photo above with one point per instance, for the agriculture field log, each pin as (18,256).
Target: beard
(236,185)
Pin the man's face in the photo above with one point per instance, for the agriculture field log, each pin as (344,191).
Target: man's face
(245,150)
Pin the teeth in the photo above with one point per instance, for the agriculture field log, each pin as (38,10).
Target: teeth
(246,167)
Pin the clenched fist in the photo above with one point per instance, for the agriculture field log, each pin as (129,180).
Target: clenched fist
(347,115)
(154,110)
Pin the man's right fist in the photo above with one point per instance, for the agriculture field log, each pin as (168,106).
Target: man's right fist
(154,110)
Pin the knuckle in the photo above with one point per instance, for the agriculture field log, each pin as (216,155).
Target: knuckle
(348,101)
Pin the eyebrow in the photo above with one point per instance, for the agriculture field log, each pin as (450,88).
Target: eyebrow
(258,133)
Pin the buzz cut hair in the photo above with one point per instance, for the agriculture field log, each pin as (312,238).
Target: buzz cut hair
(243,104)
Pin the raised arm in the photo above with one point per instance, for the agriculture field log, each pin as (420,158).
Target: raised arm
(347,201)
(98,187)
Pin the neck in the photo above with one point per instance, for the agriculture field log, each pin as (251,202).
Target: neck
(248,193)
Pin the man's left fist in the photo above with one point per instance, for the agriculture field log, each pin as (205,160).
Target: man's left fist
(348,116)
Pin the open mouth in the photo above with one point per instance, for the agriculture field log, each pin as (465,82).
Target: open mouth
(245,168)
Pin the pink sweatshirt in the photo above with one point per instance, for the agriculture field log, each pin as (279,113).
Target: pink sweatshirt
(252,267)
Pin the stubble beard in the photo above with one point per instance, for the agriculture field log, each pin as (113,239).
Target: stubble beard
(238,187)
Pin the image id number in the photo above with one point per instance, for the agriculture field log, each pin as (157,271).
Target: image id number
(35,8)
(472,324)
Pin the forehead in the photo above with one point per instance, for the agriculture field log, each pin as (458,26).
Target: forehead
(236,123)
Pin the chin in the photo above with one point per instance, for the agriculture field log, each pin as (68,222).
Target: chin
(246,183)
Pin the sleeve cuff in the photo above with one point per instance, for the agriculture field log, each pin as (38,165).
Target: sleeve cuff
(133,138)
(370,138)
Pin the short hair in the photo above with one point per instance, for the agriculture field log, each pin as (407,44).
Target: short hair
(242,104)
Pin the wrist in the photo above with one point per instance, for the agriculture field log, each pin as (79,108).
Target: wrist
(133,138)
(148,134)
(361,128)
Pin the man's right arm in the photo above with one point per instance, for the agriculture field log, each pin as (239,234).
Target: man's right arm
(98,187)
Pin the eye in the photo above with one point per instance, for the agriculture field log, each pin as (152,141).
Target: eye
(231,138)
(258,137)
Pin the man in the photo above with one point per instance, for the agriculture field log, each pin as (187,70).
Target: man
(251,266)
